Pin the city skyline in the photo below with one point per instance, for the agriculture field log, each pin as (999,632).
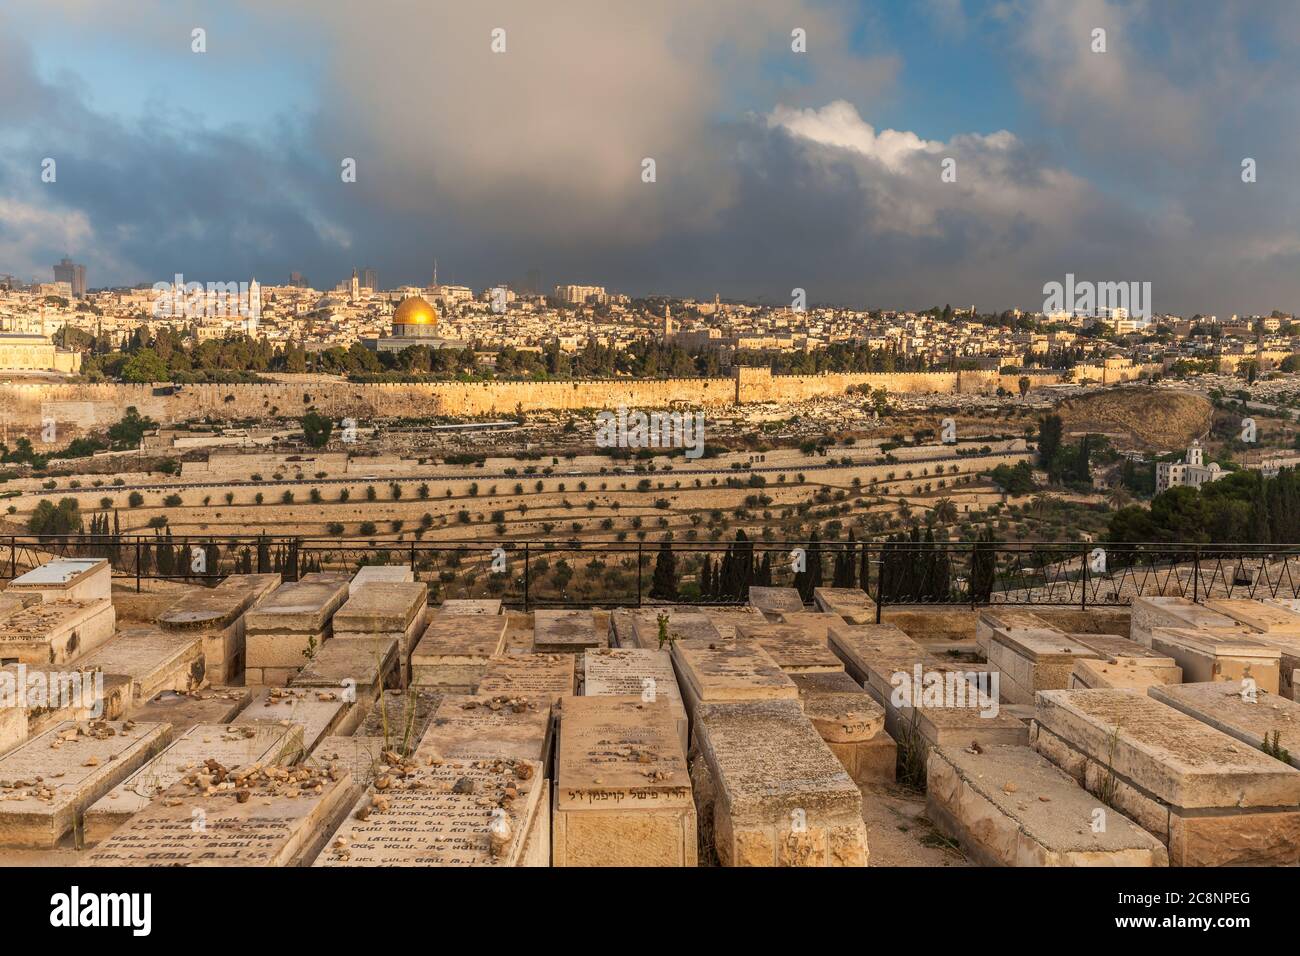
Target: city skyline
(774,169)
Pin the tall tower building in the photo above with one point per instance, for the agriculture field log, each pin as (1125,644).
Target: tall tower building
(354,290)
(370,279)
(73,274)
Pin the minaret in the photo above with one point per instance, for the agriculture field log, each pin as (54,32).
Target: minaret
(356,286)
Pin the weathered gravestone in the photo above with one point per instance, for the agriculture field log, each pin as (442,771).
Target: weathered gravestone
(199,749)
(47,783)
(455,813)
(566,632)
(851,723)
(153,660)
(317,711)
(1253,716)
(529,675)
(285,629)
(770,791)
(455,651)
(772,602)
(634,672)
(851,604)
(257,816)
(356,669)
(1205,655)
(796,648)
(216,615)
(397,611)
(623,792)
(1008,806)
(1211,799)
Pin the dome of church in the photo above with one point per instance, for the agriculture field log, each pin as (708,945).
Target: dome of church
(415,311)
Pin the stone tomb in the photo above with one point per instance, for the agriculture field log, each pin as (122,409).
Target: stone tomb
(797,649)
(565,632)
(377,609)
(623,792)
(277,816)
(77,764)
(770,791)
(66,579)
(318,712)
(482,727)
(530,675)
(1276,622)
(356,670)
(772,602)
(1206,655)
(287,626)
(851,723)
(1211,799)
(816,624)
(851,604)
(54,632)
(153,660)
(380,574)
(731,671)
(1006,619)
(923,697)
(231,747)
(1095,674)
(462,606)
(456,813)
(1222,705)
(1009,806)
(208,705)
(217,616)
(682,626)
(1028,661)
(1112,649)
(1148,613)
(33,699)
(636,672)
(725,620)
(456,650)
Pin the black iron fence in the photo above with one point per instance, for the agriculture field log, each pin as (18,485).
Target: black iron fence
(620,573)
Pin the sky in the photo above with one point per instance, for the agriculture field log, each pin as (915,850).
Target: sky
(773,169)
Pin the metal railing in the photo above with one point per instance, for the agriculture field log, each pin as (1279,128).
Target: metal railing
(620,573)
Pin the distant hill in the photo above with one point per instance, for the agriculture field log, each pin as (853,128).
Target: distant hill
(1148,418)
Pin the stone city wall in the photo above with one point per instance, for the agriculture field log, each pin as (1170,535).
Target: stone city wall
(78,408)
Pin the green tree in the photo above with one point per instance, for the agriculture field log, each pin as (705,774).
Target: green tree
(664,583)
(316,428)
(145,367)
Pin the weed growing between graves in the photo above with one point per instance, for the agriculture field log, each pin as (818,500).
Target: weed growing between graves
(1273,747)
(913,752)
(1107,785)
(664,636)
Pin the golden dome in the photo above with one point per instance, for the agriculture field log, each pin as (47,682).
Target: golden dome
(415,311)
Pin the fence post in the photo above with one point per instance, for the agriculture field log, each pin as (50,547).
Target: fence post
(526,576)
(13,556)
(1083,563)
(412,558)
(639,548)
(1196,575)
(880,586)
(291,571)
(137,564)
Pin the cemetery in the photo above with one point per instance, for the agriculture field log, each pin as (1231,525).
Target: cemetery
(340,721)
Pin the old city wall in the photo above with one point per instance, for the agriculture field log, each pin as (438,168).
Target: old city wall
(77,408)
